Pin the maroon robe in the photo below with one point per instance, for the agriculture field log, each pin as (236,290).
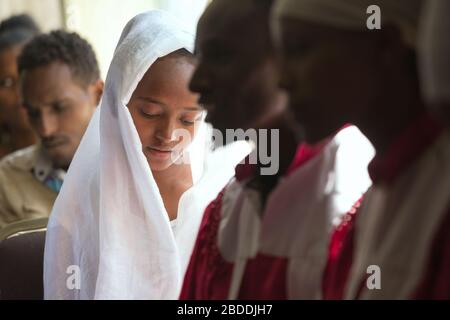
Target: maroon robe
(208,275)
(406,149)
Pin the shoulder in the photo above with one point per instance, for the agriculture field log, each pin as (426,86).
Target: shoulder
(16,168)
(211,219)
(203,278)
(23,159)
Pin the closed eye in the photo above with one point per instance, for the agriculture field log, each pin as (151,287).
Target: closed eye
(191,121)
(60,107)
(149,115)
(187,122)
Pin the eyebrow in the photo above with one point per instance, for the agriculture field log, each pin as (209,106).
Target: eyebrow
(152,101)
(194,108)
(28,105)
(198,108)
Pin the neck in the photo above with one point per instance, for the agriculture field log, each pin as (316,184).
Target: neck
(174,175)
(287,147)
(172,183)
(288,139)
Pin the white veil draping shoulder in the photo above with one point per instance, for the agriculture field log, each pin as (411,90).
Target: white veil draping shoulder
(109,236)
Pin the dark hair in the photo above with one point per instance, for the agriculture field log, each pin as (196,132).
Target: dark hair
(17,30)
(22,21)
(65,47)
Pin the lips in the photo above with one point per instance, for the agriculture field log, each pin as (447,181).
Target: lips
(159,153)
(50,144)
(161,149)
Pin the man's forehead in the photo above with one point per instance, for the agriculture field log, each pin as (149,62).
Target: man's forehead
(58,85)
(56,74)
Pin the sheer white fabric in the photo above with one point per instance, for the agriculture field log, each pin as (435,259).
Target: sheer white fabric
(109,235)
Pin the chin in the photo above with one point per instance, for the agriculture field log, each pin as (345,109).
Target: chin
(61,157)
(157,165)
(61,162)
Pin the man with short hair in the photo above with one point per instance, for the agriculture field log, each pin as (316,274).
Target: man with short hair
(61,87)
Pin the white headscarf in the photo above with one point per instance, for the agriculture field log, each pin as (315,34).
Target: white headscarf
(352,14)
(109,226)
(434,45)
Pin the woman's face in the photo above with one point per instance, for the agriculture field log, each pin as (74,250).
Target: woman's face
(11,111)
(164,111)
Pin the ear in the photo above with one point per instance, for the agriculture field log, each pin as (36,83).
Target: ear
(96,91)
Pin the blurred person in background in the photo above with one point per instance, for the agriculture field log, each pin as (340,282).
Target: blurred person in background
(60,87)
(15,130)
(434,51)
(265,235)
(394,244)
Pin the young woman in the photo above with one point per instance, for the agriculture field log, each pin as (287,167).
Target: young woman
(124,224)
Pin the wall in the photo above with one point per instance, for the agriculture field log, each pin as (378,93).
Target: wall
(47,13)
(101,21)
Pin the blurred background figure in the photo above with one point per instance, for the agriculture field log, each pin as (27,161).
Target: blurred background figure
(99,22)
(434,50)
(265,236)
(60,89)
(15,130)
(237,84)
(338,68)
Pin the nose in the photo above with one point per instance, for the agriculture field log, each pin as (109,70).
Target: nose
(47,124)
(165,131)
